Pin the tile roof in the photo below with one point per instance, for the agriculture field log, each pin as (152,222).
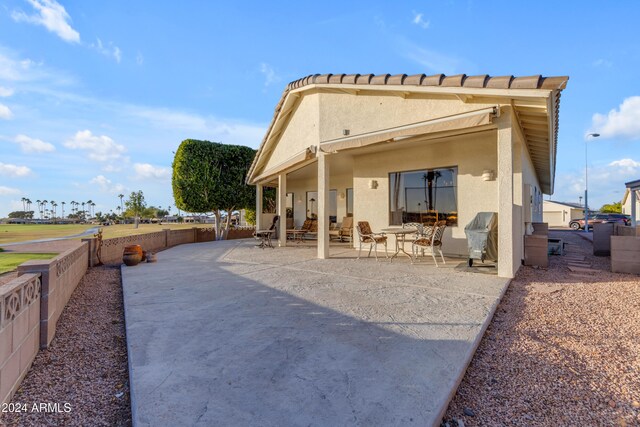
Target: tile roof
(458,80)
(485,81)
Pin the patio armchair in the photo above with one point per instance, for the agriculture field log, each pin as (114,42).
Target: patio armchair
(265,235)
(344,231)
(432,241)
(313,228)
(297,233)
(366,236)
(418,226)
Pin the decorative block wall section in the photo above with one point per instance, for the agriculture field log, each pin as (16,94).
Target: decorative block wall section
(59,278)
(625,254)
(19,331)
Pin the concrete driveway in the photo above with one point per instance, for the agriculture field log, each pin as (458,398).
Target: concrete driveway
(223,333)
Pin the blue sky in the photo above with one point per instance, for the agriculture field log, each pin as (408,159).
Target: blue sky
(96,96)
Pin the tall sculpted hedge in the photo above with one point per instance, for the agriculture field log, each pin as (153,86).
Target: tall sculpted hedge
(209,177)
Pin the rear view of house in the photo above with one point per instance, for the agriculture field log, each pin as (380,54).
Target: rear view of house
(395,149)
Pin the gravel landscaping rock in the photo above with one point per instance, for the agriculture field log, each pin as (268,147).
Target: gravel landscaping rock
(563,349)
(86,364)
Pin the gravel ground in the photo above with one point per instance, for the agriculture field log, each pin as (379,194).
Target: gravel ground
(563,349)
(86,364)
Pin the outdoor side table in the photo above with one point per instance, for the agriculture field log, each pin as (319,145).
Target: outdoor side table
(400,235)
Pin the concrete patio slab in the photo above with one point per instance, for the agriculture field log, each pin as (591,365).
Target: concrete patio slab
(223,333)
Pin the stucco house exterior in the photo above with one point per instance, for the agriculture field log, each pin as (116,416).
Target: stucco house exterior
(389,149)
(559,214)
(631,201)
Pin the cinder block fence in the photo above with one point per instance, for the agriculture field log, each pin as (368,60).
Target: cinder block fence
(31,304)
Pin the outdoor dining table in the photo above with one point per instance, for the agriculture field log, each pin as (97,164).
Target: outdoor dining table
(296,235)
(400,235)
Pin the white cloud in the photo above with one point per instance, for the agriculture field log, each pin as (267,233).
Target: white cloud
(626,166)
(602,63)
(99,148)
(14,170)
(418,19)
(51,15)
(7,191)
(5,92)
(110,50)
(148,171)
(213,128)
(433,61)
(606,182)
(33,145)
(623,122)
(106,185)
(5,112)
(270,76)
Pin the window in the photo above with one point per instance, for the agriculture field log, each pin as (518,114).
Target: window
(289,206)
(312,205)
(349,201)
(423,196)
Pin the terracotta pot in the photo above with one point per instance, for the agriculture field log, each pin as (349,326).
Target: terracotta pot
(144,256)
(133,249)
(131,259)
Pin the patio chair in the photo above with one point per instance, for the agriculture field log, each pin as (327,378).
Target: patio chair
(313,228)
(432,241)
(415,225)
(345,230)
(297,233)
(265,235)
(366,236)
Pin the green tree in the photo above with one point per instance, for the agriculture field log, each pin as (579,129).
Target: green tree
(21,214)
(210,177)
(615,207)
(135,205)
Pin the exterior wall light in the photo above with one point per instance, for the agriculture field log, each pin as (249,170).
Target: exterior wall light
(373,184)
(488,175)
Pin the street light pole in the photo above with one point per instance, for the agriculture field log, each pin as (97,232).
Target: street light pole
(586,182)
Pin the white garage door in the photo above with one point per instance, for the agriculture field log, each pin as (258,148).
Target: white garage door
(554,219)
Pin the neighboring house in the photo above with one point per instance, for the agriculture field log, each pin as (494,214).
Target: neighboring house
(631,204)
(559,214)
(393,149)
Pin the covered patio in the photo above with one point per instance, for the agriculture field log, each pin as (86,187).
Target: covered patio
(392,150)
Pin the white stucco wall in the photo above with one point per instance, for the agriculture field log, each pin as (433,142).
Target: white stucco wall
(299,188)
(471,154)
(366,113)
(300,133)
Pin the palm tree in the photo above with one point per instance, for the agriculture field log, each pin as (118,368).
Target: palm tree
(73,203)
(28,204)
(39,203)
(89,206)
(93,208)
(62,215)
(83,212)
(54,205)
(121,196)
(24,204)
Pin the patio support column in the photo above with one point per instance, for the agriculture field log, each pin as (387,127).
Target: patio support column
(323,205)
(259,207)
(634,214)
(507,265)
(282,209)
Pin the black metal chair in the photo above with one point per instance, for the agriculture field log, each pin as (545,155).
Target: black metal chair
(265,235)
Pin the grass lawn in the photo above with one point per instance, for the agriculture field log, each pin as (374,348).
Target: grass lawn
(10,261)
(10,233)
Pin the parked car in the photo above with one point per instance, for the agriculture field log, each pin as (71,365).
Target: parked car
(578,224)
